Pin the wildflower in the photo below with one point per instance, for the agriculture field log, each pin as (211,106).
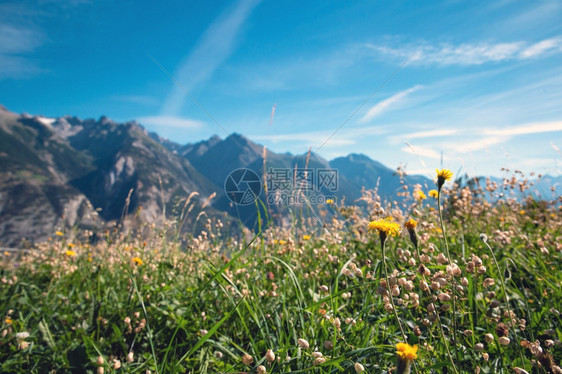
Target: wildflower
(137,260)
(247,359)
(406,353)
(504,340)
(261,369)
(270,356)
(59,233)
(419,195)
(116,364)
(385,227)
(306,237)
(442,176)
(22,335)
(329,201)
(410,225)
(70,253)
(8,320)
(359,368)
(303,343)
(433,193)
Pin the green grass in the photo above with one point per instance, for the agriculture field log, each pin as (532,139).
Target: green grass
(199,307)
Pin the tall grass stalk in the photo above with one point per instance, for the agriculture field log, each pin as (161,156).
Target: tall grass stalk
(453,280)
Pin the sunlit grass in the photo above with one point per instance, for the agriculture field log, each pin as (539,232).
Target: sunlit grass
(313,298)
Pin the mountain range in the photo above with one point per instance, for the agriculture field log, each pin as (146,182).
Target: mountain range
(71,173)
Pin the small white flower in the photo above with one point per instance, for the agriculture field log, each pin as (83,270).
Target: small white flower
(22,335)
(359,368)
(303,343)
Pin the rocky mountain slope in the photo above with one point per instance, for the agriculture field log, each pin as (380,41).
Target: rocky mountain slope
(62,172)
(72,173)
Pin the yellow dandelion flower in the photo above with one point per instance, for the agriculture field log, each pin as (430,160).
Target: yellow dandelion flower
(385,227)
(71,245)
(406,353)
(70,253)
(442,176)
(59,233)
(329,201)
(411,224)
(433,193)
(306,237)
(137,260)
(522,212)
(8,320)
(419,195)
(282,242)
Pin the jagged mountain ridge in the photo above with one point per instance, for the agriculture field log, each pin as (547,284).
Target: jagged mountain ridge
(67,172)
(59,172)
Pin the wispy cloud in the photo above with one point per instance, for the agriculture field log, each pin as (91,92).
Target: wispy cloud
(214,47)
(424,134)
(317,138)
(170,121)
(483,143)
(16,44)
(526,129)
(387,104)
(425,53)
(421,151)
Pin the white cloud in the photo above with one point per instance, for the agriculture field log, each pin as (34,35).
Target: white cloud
(387,104)
(542,47)
(15,44)
(421,151)
(467,54)
(170,121)
(484,143)
(529,128)
(214,47)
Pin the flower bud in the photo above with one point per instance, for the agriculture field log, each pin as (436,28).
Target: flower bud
(303,343)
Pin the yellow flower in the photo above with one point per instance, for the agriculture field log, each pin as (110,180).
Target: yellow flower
(137,260)
(419,195)
(59,233)
(433,193)
(71,245)
(8,320)
(329,201)
(306,237)
(406,351)
(521,212)
(70,253)
(442,176)
(385,227)
(410,224)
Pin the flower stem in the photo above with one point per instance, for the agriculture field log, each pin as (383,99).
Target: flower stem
(438,319)
(500,274)
(453,281)
(389,291)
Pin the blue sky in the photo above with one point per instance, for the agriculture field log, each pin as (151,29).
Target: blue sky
(477,85)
